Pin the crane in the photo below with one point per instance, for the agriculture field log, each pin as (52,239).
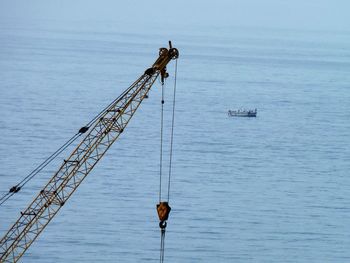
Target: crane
(99,138)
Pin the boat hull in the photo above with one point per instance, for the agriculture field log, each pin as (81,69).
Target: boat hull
(242,113)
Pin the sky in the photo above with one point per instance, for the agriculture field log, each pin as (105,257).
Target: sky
(296,14)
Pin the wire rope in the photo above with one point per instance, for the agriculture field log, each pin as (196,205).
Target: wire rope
(162,246)
(164,205)
(161,144)
(172,132)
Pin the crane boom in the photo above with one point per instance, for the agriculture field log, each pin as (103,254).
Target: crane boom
(82,160)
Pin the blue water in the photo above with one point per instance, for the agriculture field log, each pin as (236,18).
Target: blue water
(270,189)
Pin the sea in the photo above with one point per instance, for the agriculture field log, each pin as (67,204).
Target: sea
(275,188)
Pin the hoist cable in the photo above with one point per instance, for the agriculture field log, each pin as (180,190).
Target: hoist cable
(172,131)
(161,144)
(163,208)
(162,246)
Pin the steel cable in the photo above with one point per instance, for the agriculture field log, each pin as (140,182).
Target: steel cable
(172,132)
(161,144)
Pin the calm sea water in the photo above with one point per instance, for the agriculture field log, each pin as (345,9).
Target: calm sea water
(270,189)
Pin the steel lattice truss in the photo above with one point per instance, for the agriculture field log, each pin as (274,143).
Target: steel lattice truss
(72,172)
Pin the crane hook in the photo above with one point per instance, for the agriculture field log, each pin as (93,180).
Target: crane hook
(163,210)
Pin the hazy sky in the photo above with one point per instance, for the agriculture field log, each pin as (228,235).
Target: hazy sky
(308,14)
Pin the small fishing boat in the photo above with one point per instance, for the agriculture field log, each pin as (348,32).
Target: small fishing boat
(242,113)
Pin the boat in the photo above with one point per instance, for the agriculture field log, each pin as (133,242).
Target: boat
(242,113)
